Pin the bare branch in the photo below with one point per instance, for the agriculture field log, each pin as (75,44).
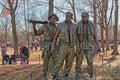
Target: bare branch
(68,1)
(59,9)
(10,4)
(110,13)
(4,5)
(16,5)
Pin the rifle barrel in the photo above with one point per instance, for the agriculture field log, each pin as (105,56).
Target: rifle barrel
(37,22)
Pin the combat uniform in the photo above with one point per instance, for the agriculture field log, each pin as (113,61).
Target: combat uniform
(86,41)
(48,32)
(66,41)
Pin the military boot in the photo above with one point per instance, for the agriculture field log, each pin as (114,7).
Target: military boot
(44,77)
(66,77)
(55,77)
(78,75)
(91,77)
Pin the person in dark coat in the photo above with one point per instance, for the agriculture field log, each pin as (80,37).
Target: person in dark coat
(24,53)
(3,52)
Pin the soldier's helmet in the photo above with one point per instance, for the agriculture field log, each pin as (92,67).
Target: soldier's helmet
(57,18)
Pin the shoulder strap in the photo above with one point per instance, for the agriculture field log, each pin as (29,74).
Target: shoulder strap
(92,28)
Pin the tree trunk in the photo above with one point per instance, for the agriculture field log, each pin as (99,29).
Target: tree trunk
(102,39)
(74,13)
(51,7)
(1,36)
(115,49)
(106,36)
(28,40)
(6,34)
(94,10)
(13,21)
(14,32)
(26,27)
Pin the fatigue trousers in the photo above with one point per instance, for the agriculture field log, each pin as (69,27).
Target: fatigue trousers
(65,53)
(79,58)
(46,59)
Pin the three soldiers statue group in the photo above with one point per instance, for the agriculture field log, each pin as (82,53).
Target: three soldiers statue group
(65,41)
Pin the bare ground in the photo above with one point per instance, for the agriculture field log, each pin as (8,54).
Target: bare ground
(33,71)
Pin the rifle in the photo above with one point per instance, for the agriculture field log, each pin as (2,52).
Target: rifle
(37,22)
(34,25)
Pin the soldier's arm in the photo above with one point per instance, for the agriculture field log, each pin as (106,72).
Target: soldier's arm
(37,32)
(95,39)
(78,33)
(56,36)
(41,29)
(34,28)
(55,40)
(77,41)
(75,34)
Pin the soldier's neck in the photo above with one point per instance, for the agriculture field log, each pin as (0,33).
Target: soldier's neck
(68,22)
(86,22)
(52,24)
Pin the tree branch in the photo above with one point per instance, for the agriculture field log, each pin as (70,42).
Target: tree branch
(110,13)
(16,5)
(10,4)
(4,5)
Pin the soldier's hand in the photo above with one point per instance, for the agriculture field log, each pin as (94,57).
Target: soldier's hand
(52,47)
(77,48)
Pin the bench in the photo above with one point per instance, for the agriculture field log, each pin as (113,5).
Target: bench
(14,58)
(17,57)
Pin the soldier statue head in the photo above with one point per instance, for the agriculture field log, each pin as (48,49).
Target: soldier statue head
(85,17)
(53,18)
(69,16)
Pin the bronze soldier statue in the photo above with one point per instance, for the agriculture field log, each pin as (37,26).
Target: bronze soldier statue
(66,34)
(86,36)
(48,30)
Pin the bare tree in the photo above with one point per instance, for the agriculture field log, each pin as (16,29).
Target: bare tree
(26,26)
(115,50)
(6,32)
(94,11)
(13,21)
(12,8)
(104,20)
(51,9)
